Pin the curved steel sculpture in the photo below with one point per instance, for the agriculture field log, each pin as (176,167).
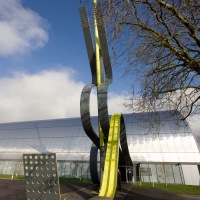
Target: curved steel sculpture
(101,72)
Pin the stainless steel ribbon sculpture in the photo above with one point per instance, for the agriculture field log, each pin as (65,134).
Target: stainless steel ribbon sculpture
(101,71)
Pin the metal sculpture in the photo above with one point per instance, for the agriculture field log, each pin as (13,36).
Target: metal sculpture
(108,136)
(41,169)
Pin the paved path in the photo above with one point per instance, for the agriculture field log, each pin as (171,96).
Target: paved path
(15,190)
(137,193)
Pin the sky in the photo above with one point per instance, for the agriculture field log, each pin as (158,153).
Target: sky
(44,64)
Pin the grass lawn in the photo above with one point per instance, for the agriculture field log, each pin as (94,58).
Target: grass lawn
(61,179)
(74,180)
(181,189)
(8,176)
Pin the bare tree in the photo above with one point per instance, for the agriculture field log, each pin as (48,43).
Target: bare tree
(157,42)
(81,167)
(164,172)
(18,167)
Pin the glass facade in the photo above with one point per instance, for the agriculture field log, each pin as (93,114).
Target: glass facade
(161,141)
(162,173)
(68,169)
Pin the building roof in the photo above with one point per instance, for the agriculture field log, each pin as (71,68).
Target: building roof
(152,137)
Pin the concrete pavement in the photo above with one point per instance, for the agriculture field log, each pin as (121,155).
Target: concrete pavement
(15,190)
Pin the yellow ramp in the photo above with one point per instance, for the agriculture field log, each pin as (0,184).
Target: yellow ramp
(109,181)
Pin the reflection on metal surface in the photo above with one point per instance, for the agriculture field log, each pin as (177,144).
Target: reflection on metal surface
(89,43)
(93,164)
(85,114)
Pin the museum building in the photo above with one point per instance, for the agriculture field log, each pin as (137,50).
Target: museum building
(161,145)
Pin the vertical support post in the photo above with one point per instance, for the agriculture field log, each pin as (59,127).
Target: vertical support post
(140,177)
(126,174)
(134,178)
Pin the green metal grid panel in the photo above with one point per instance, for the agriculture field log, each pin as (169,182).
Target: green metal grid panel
(41,176)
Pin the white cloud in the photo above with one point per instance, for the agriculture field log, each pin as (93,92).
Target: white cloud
(46,95)
(21,30)
(51,95)
(116,103)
